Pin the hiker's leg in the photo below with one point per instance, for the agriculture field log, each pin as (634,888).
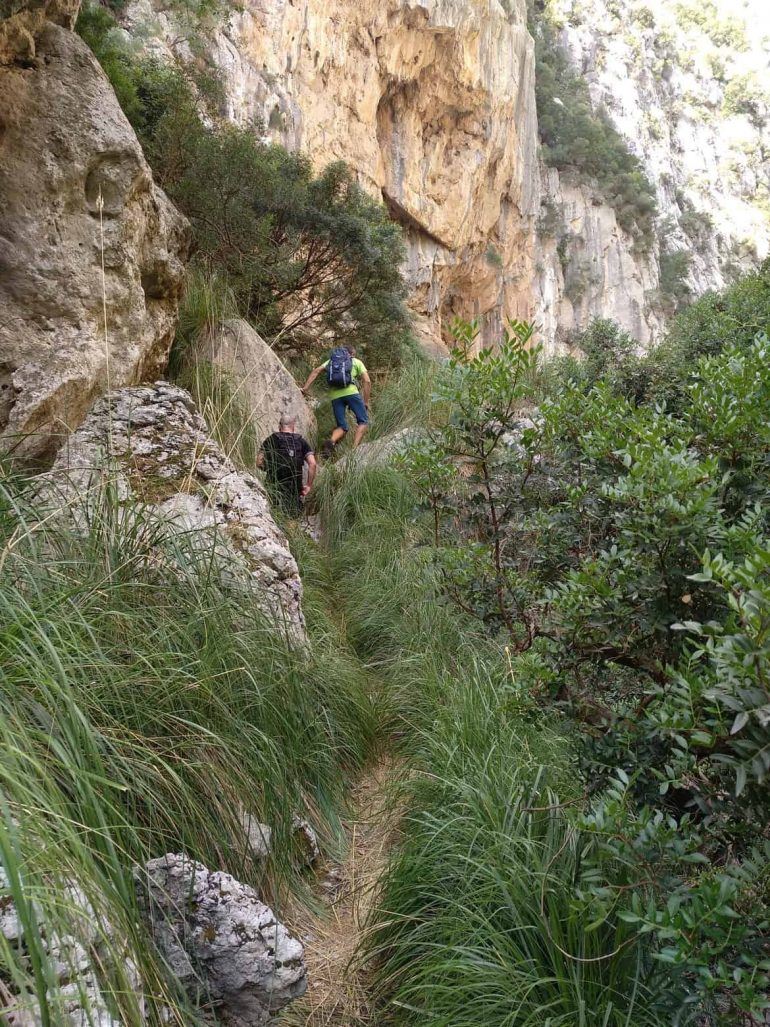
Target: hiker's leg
(338,408)
(358,407)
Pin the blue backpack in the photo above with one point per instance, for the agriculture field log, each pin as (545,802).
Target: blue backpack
(339,370)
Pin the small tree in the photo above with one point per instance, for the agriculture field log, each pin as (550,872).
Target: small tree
(460,470)
(307,256)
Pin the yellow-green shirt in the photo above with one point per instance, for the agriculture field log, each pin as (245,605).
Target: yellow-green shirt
(348,390)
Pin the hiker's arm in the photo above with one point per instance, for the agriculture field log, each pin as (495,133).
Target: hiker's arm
(312,467)
(260,461)
(312,377)
(366,387)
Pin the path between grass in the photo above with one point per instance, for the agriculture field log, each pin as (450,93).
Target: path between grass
(338,994)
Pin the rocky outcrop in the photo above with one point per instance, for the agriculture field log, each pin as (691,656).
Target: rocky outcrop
(261,384)
(225,946)
(21,21)
(430,101)
(588,267)
(259,838)
(150,444)
(85,238)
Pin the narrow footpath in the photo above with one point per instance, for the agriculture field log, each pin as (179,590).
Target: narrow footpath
(337,994)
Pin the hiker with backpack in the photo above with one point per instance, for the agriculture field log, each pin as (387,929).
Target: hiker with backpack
(284,455)
(349,388)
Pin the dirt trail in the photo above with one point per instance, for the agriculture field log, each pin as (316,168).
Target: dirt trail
(337,993)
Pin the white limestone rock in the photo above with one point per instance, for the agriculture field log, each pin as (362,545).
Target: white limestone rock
(226,947)
(150,443)
(261,383)
(64,143)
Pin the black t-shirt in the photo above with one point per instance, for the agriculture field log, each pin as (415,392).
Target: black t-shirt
(285,454)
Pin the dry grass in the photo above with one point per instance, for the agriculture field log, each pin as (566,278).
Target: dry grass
(338,995)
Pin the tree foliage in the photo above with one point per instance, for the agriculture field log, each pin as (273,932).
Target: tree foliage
(662,375)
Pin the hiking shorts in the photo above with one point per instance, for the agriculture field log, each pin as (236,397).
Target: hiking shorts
(355,403)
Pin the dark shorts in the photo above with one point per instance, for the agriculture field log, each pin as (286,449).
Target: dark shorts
(285,493)
(355,403)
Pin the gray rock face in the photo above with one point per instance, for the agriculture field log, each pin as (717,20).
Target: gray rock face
(22,22)
(150,443)
(75,188)
(225,945)
(261,382)
(381,451)
(259,837)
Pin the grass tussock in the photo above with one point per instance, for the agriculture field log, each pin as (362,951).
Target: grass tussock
(143,706)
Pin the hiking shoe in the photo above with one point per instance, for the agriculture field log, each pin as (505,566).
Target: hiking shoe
(327,449)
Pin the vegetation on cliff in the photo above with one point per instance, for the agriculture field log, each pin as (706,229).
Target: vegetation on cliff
(577,137)
(303,256)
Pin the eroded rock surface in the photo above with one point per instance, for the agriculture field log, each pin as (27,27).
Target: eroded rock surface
(150,443)
(225,946)
(21,21)
(432,102)
(261,383)
(75,188)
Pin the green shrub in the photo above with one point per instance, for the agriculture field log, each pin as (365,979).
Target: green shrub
(745,94)
(723,30)
(579,542)
(703,328)
(674,268)
(304,256)
(99,29)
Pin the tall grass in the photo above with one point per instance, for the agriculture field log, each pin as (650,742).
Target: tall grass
(403,397)
(208,301)
(142,706)
(479,919)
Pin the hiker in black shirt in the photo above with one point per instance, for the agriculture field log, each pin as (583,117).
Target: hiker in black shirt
(283,455)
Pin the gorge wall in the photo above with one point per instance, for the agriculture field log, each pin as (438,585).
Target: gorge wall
(686,86)
(433,103)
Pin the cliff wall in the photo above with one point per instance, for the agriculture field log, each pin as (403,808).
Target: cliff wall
(433,103)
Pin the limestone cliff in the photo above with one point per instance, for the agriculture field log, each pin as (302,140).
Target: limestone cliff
(431,101)
(85,236)
(685,85)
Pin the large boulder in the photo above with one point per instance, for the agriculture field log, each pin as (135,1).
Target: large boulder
(85,236)
(224,945)
(263,385)
(152,445)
